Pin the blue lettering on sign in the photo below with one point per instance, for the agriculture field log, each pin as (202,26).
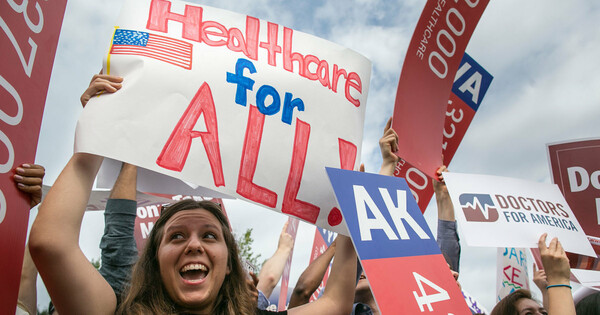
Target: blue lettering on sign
(266,91)
(382,216)
(471,82)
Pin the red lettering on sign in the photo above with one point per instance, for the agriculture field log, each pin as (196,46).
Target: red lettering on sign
(160,14)
(347,154)
(248,45)
(515,274)
(177,148)
(291,205)
(271,45)
(245,186)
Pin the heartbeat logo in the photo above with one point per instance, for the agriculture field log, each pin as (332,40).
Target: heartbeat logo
(478,207)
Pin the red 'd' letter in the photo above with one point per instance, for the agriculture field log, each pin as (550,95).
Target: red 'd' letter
(178,146)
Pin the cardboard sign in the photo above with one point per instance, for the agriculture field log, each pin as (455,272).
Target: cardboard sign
(30,31)
(152,182)
(470,85)
(575,168)
(430,65)
(256,116)
(400,257)
(512,212)
(322,240)
(587,278)
(292,229)
(511,271)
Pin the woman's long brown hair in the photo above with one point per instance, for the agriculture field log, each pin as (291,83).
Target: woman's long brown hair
(147,294)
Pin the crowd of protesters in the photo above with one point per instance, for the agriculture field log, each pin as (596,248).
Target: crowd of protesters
(191,262)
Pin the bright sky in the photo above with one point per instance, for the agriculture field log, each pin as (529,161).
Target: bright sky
(543,56)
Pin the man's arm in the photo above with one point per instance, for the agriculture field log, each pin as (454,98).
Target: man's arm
(339,291)
(119,251)
(447,235)
(311,278)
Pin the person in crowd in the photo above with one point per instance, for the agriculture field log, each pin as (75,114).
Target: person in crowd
(447,235)
(190,264)
(589,305)
(28,178)
(118,247)
(311,277)
(560,300)
(272,269)
(519,302)
(540,281)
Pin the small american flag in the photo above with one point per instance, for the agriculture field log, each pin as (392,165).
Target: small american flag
(166,49)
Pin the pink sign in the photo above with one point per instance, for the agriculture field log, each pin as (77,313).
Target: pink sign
(575,168)
(432,60)
(27,46)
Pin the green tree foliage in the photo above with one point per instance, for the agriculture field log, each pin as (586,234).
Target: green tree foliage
(96,263)
(245,245)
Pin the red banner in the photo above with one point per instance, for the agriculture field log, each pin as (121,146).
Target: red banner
(575,168)
(470,86)
(28,43)
(431,62)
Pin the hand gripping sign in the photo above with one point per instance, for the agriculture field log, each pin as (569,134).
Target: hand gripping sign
(401,259)
(232,103)
(575,168)
(30,31)
(431,62)
(499,211)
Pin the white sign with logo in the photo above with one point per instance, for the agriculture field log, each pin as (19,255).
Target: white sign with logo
(508,212)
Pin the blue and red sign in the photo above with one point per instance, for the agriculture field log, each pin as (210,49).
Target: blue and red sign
(405,268)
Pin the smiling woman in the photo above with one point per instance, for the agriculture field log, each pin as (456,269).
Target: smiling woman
(190,264)
(193,253)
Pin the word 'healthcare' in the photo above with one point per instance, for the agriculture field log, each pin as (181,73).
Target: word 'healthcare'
(215,34)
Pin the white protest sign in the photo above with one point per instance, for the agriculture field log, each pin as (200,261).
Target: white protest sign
(511,271)
(587,278)
(152,182)
(98,198)
(508,212)
(232,103)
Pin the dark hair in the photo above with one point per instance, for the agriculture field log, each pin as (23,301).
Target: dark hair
(507,306)
(147,293)
(589,305)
